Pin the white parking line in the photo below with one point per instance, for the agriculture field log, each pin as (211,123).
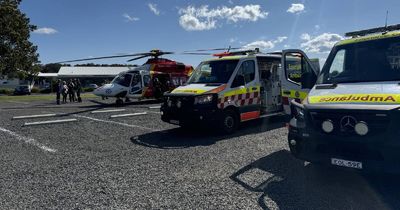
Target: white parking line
(116,123)
(108,110)
(37,116)
(154,112)
(154,107)
(50,122)
(17,102)
(128,115)
(28,140)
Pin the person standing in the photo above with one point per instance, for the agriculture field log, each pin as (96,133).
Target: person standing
(58,90)
(64,92)
(78,89)
(71,93)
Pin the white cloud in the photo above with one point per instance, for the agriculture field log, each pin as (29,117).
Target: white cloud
(317,27)
(296,8)
(232,40)
(45,30)
(265,44)
(129,18)
(319,44)
(203,18)
(280,39)
(154,9)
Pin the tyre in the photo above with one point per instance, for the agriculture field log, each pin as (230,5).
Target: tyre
(119,102)
(229,122)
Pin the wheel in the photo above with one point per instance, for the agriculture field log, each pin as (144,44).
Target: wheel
(229,122)
(119,102)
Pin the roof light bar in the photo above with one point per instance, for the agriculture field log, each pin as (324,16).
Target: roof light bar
(242,52)
(373,30)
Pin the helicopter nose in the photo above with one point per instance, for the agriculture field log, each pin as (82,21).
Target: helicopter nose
(98,91)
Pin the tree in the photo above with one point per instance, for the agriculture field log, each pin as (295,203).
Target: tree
(18,57)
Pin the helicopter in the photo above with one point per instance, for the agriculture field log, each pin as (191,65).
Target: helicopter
(148,81)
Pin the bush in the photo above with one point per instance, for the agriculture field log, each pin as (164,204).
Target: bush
(87,89)
(35,90)
(45,90)
(7,91)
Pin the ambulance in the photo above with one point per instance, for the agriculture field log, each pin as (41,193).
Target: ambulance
(351,117)
(234,87)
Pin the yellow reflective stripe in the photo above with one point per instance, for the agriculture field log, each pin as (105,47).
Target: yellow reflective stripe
(356,98)
(368,38)
(294,94)
(242,91)
(195,91)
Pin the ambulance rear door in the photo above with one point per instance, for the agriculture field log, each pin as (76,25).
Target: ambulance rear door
(299,76)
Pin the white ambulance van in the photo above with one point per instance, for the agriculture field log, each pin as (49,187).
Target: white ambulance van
(351,117)
(239,86)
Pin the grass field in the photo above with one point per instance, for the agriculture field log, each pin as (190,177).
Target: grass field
(40,97)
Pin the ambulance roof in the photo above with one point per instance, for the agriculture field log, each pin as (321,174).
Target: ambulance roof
(238,57)
(371,37)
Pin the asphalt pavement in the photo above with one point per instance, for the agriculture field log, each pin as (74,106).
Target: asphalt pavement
(140,162)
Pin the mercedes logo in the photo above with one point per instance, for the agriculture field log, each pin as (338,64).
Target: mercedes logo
(347,123)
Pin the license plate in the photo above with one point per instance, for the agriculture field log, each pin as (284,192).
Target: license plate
(176,122)
(346,163)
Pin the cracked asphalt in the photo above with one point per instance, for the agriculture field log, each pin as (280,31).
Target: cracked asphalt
(141,162)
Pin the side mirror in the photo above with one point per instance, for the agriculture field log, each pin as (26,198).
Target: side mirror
(238,81)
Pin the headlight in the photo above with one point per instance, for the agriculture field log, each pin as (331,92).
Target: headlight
(169,102)
(179,104)
(205,99)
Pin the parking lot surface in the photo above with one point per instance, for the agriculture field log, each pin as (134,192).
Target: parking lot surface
(140,162)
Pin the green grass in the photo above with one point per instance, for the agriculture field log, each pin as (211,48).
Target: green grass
(43,97)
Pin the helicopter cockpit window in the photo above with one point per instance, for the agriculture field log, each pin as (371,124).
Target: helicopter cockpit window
(136,80)
(213,72)
(123,79)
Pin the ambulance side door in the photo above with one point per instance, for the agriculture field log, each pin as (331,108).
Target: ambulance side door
(247,89)
(299,76)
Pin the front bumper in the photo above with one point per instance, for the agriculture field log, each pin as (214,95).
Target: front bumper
(189,114)
(377,151)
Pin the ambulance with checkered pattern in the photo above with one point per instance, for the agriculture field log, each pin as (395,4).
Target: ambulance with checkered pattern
(237,87)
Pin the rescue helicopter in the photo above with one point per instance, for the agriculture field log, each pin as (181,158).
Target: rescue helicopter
(148,81)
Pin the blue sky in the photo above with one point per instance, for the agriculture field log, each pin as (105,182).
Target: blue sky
(70,29)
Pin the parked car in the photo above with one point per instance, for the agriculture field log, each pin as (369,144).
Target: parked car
(94,86)
(22,90)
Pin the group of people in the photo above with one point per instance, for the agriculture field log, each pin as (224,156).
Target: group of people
(71,88)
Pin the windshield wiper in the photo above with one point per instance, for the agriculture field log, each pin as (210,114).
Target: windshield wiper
(326,86)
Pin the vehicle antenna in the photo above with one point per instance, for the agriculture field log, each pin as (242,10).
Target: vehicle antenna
(387,14)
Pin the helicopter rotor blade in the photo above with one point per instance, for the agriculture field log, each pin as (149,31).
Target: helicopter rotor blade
(215,49)
(102,57)
(137,58)
(194,53)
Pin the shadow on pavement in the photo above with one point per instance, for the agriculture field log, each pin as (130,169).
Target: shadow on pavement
(287,183)
(203,136)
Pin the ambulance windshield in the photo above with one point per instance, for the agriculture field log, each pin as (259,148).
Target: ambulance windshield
(370,61)
(213,72)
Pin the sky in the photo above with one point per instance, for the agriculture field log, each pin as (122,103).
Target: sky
(74,29)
